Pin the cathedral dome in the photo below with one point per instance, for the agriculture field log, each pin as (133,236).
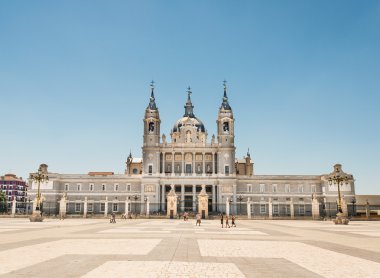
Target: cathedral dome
(189,121)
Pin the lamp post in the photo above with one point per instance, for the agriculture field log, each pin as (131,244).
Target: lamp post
(135,197)
(353,201)
(240,198)
(230,201)
(40,176)
(338,177)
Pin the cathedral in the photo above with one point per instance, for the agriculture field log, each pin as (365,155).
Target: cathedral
(187,164)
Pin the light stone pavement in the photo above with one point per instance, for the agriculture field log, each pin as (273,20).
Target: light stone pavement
(174,248)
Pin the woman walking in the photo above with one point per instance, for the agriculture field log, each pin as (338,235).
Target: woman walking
(233,221)
(227,222)
(221,219)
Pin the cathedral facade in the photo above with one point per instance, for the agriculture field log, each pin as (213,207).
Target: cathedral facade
(184,164)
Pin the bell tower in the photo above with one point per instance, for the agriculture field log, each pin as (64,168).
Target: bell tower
(152,121)
(225,122)
(226,136)
(151,155)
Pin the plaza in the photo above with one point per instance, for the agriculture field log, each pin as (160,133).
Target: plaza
(175,248)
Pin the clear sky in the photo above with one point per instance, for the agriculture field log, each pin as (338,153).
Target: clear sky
(303,81)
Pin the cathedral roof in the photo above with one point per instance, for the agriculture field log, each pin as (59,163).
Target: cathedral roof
(189,118)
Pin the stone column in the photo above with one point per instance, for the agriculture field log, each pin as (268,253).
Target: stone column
(106,207)
(234,198)
(291,208)
(13,207)
(249,208)
(85,208)
(173,154)
(204,164)
(227,207)
(344,207)
(158,162)
(194,196)
(163,197)
(183,163)
(34,202)
(163,163)
(62,207)
(213,163)
(147,206)
(315,209)
(182,198)
(213,198)
(193,165)
(270,208)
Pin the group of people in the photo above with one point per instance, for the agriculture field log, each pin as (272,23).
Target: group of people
(226,218)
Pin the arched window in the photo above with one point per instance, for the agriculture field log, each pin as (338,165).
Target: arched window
(151,127)
(226,127)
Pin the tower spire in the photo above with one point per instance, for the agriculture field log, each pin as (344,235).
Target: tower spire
(225,103)
(189,106)
(152,103)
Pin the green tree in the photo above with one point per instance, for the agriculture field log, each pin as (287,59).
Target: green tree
(3,202)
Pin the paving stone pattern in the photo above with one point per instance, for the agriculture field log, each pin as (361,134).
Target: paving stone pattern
(174,248)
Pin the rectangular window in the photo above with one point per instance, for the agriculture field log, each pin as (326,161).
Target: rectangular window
(300,188)
(313,188)
(91,187)
(249,187)
(116,187)
(115,207)
(102,207)
(78,207)
(90,207)
(275,209)
(78,187)
(287,188)
(150,169)
(262,188)
(66,187)
(262,208)
(302,209)
(128,187)
(227,170)
(274,188)
(103,187)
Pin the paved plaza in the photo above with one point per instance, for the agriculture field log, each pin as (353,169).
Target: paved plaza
(174,248)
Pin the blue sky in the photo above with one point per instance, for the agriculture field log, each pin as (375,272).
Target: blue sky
(303,81)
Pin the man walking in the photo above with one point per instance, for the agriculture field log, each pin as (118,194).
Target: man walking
(233,221)
(198,219)
(221,219)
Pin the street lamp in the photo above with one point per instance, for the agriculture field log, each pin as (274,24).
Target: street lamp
(40,176)
(135,197)
(353,201)
(240,198)
(338,177)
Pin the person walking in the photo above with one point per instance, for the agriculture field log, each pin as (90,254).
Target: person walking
(233,221)
(198,217)
(221,219)
(227,224)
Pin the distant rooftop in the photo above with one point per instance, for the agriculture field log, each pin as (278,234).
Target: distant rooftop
(100,173)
